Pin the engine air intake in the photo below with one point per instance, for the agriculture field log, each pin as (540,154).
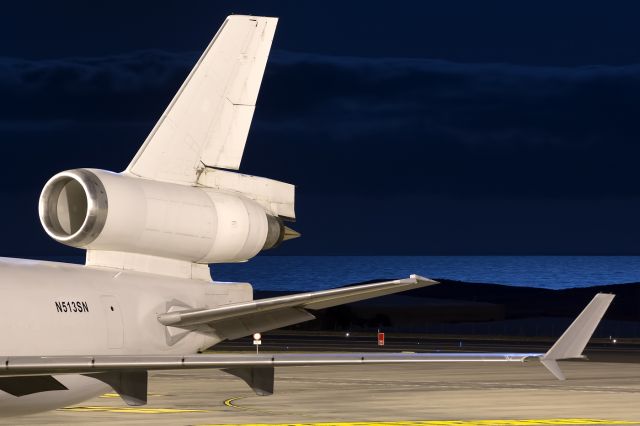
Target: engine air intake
(73,207)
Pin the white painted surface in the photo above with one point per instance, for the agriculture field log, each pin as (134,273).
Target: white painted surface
(277,198)
(173,221)
(208,120)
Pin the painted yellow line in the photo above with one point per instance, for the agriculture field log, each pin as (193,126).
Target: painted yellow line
(231,404)
(134,410)
(115,395)
(523,422)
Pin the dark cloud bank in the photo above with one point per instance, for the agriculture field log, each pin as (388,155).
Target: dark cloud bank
(389,155)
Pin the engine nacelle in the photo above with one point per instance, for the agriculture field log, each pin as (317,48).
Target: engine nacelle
(100,210)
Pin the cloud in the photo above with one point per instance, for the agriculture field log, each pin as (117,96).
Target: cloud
(113,88)
(357,125)
(435,127)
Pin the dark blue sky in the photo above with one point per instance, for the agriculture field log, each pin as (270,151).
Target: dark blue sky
(463,127)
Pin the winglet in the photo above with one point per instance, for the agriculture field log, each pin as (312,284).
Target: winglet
(575,338)
(553,367)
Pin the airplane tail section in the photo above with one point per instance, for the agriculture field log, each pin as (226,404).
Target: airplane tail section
(575,338)
(179,205)
(207,122)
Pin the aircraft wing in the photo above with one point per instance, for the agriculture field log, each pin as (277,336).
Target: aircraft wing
(127,374)
(292,306)
(24,365)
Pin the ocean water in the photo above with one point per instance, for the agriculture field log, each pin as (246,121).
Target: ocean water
(307,273)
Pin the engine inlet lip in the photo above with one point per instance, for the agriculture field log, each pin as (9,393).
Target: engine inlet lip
(95,216)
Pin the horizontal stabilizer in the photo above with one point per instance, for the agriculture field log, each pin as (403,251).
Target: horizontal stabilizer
(313,300)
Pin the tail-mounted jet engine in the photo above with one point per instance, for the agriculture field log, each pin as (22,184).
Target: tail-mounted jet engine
(100,210)
(179,204)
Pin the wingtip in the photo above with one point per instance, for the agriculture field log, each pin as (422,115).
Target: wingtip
(573,341)
(553,367)
(608,296)
(423,280)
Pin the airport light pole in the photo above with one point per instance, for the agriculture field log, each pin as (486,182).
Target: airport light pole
(257,340)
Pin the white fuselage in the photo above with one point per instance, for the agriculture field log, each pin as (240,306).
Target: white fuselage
(52,308)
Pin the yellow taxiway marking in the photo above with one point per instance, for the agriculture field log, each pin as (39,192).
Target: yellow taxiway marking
(135,410)
(524,422)
(231,403)
(115,395)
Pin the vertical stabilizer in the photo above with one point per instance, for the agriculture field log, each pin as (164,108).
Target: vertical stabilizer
(208,120)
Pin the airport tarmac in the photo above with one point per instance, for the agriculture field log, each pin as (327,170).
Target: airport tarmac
(436,394)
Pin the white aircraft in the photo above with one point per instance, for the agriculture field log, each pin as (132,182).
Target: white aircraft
(145,299)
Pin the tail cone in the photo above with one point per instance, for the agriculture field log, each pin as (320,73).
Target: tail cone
(290,234)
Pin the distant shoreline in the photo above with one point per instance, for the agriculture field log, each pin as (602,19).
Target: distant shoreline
(309,273)
(455,307)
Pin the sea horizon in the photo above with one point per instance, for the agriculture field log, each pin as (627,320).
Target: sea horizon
(310,273)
